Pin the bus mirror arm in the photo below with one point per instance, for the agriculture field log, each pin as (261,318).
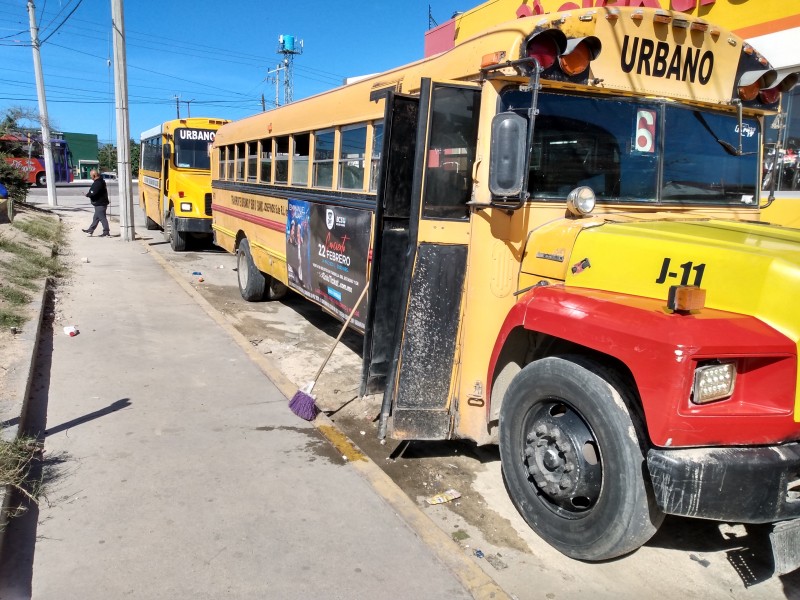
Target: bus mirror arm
(773,169)
(773,174)
(533,87)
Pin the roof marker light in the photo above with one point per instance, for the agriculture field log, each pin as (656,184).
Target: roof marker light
(662,17)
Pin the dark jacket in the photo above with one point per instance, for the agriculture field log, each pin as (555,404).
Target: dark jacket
(98,193)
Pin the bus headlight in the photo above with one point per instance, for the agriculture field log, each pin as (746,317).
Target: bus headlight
(581,201)
(186,206)
(713,382)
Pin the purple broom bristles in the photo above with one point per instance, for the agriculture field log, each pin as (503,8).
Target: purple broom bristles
(304,406)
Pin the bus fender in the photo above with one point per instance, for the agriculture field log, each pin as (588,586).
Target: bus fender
(661,350)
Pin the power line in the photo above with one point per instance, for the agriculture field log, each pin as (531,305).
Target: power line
(62,22)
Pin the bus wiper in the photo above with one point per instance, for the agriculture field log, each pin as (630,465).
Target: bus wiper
(728,147)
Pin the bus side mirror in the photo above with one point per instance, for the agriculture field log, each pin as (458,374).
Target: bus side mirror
(166,151)
(507,154)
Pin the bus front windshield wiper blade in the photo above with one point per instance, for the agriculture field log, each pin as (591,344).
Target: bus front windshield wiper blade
(727,146)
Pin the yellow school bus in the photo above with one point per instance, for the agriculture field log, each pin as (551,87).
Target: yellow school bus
(175,178)
(557,221)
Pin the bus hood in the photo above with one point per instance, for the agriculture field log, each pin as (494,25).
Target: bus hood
(745,268)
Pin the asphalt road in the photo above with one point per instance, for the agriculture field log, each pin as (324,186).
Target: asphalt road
(686,559)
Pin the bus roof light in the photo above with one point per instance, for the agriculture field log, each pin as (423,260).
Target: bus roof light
(751,82)
(578,54)
(680,23)
(783,83)
(700,26)
(612,14)
(637,15)
(546,46)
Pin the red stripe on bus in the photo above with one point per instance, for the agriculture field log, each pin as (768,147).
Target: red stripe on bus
(274,225)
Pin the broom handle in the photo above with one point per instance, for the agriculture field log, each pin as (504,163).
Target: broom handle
(341,332)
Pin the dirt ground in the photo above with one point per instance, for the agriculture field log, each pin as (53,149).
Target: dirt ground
(686,559)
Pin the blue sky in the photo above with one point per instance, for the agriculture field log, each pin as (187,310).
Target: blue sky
(214,54)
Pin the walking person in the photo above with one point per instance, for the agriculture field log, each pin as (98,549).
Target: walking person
(98,194)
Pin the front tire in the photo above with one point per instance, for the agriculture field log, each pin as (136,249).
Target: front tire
(41,179)
(573,459)
(177,239)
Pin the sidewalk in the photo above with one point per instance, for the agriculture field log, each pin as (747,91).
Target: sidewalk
(181,471)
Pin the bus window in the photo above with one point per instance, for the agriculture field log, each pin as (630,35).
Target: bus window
(282,159)
(451,152)
(220,163)
(266,160)
(300,157)
(252,161)
(239,162)
(191,152)
(377,147)
(351,157)
(230,160)
(323,158)
(697,168)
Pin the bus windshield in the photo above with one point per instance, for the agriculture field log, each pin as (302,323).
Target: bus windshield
(618,148)
(192,148)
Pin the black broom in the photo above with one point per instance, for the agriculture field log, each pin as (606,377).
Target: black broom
(302,403)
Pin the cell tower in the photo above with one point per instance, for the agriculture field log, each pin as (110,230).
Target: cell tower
(288,46)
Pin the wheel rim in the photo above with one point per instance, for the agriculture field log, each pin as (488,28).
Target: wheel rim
(562,458)
(241,269)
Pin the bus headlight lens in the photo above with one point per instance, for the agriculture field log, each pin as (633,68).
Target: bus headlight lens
(713,382)
(186,206)
(581,201)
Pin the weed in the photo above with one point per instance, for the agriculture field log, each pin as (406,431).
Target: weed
(13,296)
(17,459)
(41,228)
(24,266)
(9,319)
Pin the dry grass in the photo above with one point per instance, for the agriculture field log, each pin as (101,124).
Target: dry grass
(17,459)
(29,254)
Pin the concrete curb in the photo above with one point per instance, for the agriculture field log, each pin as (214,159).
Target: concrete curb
(20,378)
(470,575)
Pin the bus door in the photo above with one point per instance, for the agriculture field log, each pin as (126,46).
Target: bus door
(419,379)
(163,201)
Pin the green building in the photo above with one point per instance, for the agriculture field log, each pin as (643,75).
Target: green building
(83,147)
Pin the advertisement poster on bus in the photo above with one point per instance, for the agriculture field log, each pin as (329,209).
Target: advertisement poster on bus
(327,248)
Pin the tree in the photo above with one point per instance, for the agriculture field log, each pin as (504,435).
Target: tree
(134,153)
(107,155)
(11,177)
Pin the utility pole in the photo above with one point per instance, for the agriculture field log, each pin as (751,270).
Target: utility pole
(277,72)
(52,200)
(177,107)
(123,125)
(188,108)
